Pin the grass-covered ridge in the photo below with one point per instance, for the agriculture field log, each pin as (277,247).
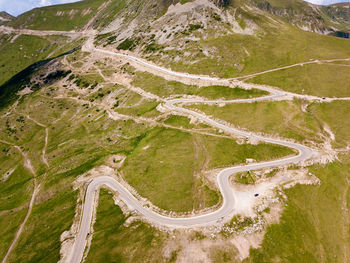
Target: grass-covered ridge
(164,88)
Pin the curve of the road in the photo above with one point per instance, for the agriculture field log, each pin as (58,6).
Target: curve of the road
(227,208)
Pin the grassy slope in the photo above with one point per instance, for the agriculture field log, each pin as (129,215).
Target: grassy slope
(277,47)
(44,229)
(146,108)
(74,16)
(283,118)
(24,51)
(335,114)
(15,193)
(184,122)
(114,242)
(302,13)
(315,225)
(77,143)
(320,80)
(49,18)
(163,166)
(82,151)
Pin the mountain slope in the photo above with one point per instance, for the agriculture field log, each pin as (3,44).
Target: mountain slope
(5,18)
(332,19)
(96,112)
(199,37)
(84,14)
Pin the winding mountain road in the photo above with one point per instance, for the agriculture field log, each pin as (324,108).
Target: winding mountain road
(226,211)
(229,199)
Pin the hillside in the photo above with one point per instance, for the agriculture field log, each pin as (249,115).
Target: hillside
(332,19)
(329,20)
(85,14)
(175,131)
(5,18)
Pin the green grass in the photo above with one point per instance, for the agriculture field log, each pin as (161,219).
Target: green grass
(314,227)
(17,132)
(44,228)
(17,189)
(145,108)
(165,166)
(284,118)
(20,64)
(15,192)
(24,51)
(156,173)
(184,122)
(335,114)
(314,79)
(225,152)
(163,88)
(179,121)
(346,62)
(112,241)
(85,81)
(9,224)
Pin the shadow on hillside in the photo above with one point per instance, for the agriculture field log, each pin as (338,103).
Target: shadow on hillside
(9,90)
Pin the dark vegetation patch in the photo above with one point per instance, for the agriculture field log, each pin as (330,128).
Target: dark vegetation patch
(341,34)
(195,27)
(9,90)
(128,44)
